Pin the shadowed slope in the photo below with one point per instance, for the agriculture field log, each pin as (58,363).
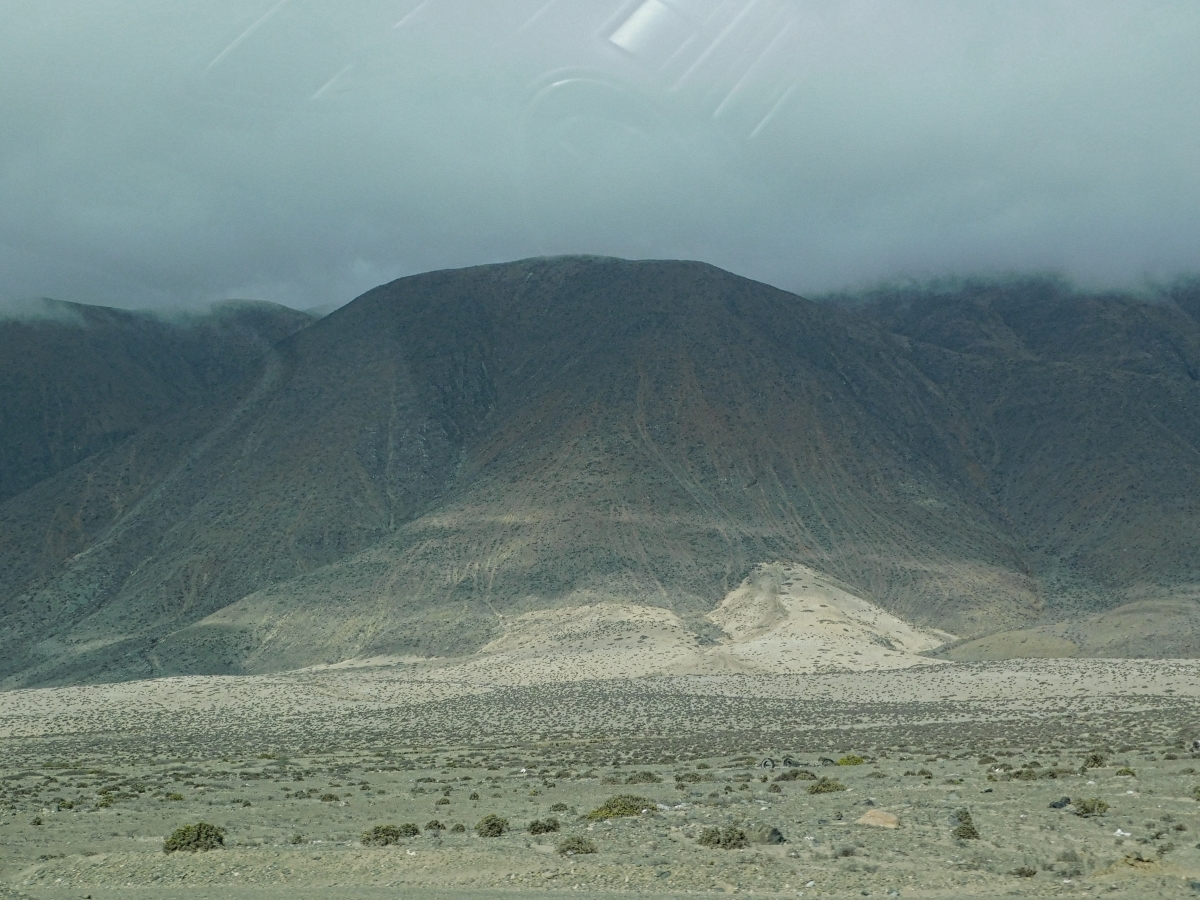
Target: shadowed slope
(1086,426)
(76,380)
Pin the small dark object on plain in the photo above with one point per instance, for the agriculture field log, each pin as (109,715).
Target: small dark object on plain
(191,838)
(965,830)
(1060,803)
(1024,872)
(434,825)
(826,761)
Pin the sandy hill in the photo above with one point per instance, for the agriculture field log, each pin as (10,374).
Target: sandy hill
(458,451)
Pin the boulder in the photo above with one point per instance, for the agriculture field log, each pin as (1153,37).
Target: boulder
(763,834)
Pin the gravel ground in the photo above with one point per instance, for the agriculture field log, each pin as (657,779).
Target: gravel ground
(296,768)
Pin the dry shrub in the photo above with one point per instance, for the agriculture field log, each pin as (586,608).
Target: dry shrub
(621,805)
(727,838)
(191,838)
(826,786)
(491,826)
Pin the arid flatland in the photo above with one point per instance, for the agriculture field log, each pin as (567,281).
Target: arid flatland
(296,767)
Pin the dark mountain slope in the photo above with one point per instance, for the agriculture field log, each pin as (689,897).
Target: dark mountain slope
(78,379)
(1086,412)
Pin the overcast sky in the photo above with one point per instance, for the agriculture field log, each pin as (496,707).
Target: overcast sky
(300,151)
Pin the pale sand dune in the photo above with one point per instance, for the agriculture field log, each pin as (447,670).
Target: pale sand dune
(791,619)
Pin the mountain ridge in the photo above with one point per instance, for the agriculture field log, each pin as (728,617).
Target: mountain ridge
(460,446)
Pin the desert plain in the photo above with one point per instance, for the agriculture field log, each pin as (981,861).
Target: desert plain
(296,767)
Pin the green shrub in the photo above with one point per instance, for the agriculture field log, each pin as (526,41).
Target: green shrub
(851,760)
(1126,772)
(175,797)
(559,807)
(727,838)
(774,789)
(1094,761)
(434,825)
(296,839)
(1024,872)
(329,798)
(458,828)
(643,778)
(796,775)
(383,835)
(621,805)
(491,826)
(191,838)
(543,826)
(965,830)
(1092,806)
(826,786)
(575,844)
(689,777)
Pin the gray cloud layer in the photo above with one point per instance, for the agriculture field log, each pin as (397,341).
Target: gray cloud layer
(304,151)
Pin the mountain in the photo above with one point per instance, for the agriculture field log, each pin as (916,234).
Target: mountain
(76,379)
(1086,428)
(456,450)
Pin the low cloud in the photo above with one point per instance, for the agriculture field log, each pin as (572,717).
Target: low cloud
(303,152)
